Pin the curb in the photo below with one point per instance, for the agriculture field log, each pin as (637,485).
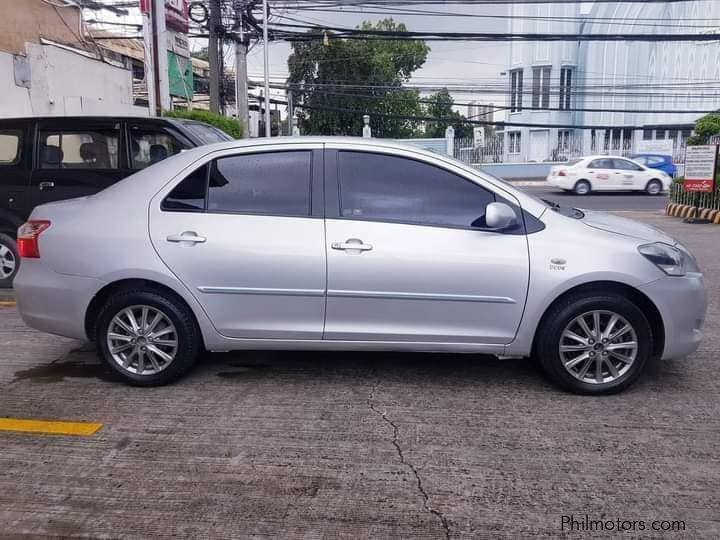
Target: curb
(686,211)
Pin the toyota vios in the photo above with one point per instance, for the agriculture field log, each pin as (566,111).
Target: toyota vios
(352,244)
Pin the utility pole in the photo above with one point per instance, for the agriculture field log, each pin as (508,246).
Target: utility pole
(214,55)
(267,68)
(156,67)
(241,75)
(290,111)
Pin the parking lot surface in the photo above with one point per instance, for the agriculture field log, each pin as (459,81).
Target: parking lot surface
(361,445)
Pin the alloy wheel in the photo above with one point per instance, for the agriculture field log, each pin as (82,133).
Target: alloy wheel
(142,340)
(7,262)
(598,347)
(654,188)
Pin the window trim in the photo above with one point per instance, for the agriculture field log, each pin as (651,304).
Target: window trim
(336,211)
(314,185)
(20,142)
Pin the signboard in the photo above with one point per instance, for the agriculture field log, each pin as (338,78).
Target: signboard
(178,43)
(700,168)
(662,147)
(180,75)
(478,136)
(176,13)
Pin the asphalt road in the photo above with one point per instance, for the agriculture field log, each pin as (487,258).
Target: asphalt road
(339,445)
(618,201)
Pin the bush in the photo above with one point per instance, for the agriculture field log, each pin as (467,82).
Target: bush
(229,125)
(708,126)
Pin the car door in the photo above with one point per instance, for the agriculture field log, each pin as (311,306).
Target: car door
(409,259)
(245,233)
(76,157)
(602,174)
(629,175)
(15,163)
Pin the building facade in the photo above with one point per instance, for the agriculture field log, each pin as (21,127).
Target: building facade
(609,97)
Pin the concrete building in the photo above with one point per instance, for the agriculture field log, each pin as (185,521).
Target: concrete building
(49,66)
(559,83)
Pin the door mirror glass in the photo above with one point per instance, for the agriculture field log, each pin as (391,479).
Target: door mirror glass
(500,216)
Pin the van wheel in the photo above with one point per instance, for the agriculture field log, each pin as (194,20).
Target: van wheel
(654,187)
(582,187)
(147,338)
(596,344)
(9,261)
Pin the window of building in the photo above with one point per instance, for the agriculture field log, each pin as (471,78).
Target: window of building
(564,140)
(10,141)
(273,183)
(391,188)
(149,147)
(188,195)
(541,87)
(566,82)
(79,149)
(516,90)
(648,134)
(514,142)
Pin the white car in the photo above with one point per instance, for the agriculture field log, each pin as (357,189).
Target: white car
(608,173)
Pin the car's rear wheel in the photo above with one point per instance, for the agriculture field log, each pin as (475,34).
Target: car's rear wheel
(148,338)
(9,261)
(596,344)
(654,187)
(582,187)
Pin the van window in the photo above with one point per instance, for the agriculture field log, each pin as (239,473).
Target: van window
(147,147)
(79,149)
(10,140)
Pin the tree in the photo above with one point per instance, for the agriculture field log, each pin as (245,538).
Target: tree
(359,75)
(441,106)
(708,126)
(201,54)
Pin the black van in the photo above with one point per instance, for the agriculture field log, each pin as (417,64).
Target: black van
(54,158)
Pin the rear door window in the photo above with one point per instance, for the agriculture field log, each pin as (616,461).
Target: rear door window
(83,149)
(601,164)
(10,145)
(188,195)
(149,146)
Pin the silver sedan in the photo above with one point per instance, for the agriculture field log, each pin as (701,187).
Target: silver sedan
(352,244)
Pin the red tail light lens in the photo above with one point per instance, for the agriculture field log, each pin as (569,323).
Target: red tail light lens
(27,238)
(562,173)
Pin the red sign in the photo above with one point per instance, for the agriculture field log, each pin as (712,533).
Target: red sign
(145,7)
(700,168)
(176,13)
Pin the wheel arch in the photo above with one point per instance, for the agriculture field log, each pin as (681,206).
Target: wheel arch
(636,296)
(95,305)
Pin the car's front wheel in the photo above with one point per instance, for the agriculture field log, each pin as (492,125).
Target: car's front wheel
(146,337)
(594,344)
(9,261)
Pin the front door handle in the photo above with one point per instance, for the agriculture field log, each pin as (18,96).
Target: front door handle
(46,185)
(352,244)
(187,236)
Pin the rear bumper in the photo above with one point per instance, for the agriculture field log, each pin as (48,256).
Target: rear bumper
(52,302)
(682,302)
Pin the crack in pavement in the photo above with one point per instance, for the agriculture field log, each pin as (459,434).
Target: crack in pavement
(426,499)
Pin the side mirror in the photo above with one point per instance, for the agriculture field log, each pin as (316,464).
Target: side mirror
(500,216)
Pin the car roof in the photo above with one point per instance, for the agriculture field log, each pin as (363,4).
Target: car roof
(88,118)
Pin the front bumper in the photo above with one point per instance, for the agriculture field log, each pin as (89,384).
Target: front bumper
(682,302)
(52,302)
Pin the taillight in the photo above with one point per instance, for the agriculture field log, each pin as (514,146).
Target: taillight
(562,173)
(27,238)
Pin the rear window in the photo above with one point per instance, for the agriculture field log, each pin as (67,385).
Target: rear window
(90,149)
(205,133)
(10,142)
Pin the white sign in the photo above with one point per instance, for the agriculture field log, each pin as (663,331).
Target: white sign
(178,43)
(478,136)
(700,162)
(663,147)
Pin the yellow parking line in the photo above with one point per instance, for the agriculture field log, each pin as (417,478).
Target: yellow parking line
(7,303)
(49,427)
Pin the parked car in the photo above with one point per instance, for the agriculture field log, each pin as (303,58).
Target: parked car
(50,159)
(608,173)
(657,161)
(340,244)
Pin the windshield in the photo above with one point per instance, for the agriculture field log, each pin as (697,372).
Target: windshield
(206,133)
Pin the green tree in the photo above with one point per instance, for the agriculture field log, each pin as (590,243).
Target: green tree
(708,126)
(201,54)
(441,106)
(362,75)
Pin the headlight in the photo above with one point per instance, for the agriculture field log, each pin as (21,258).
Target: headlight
(669,259)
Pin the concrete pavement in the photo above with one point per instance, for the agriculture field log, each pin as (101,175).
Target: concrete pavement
(309,445)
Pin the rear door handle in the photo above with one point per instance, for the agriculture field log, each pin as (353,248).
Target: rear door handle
(352,244)
(46,185)
(187,236)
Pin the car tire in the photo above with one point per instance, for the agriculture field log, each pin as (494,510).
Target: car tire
(654,187)
(582,187)
(149,352)
(561,356)
(9,261)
